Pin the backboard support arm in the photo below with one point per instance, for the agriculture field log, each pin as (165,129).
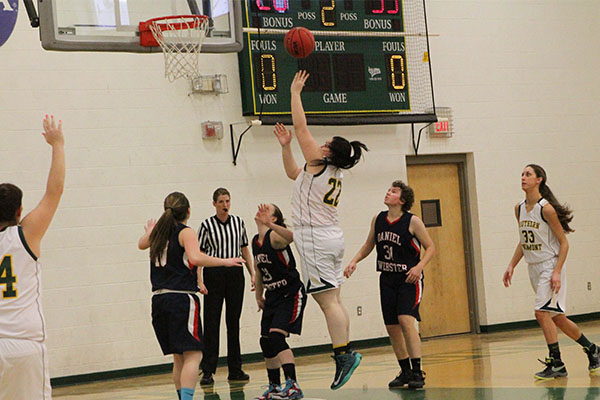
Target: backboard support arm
(34,19)
(194,10)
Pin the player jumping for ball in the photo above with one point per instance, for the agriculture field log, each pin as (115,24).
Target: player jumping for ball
(319,240)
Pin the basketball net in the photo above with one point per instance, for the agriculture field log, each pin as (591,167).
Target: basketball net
(180,38)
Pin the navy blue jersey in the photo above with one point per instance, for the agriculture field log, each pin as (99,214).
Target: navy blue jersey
(277,266)
(397,249)
(175,272)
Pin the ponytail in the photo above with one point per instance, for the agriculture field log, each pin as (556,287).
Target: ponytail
(279,215)
(564,213)
(344,154)
(176,210)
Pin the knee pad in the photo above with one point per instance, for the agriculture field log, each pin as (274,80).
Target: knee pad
(278,343)
(267,348)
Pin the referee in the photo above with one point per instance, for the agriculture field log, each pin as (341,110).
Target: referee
(223,235)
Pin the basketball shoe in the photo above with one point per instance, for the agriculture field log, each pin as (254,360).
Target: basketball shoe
(554,369)
(345,364)
(417,380)
(267,395)
(402,379)
(594,357)
(291,391)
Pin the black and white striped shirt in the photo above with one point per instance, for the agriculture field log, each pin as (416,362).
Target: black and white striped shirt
(223,239)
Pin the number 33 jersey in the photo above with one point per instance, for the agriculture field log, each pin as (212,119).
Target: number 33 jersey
(397,249)
(20,288)
(537,239)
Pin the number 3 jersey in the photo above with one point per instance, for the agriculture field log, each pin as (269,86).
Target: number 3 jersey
(537,239)
(316,197)
(397,249)
(277,268)
(20,288)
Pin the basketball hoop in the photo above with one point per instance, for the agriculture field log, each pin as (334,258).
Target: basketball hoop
(181,38)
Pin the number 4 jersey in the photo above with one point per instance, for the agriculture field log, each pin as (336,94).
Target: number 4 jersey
(537,239)
(397,249)
(20,288)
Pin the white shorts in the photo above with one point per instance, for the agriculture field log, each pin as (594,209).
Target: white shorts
(24,372)
(545,298)
(321,251)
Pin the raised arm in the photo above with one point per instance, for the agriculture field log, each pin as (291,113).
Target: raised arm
(517,255)
(144,241)
(285,139)
(364,251)
(36,223)
(281,235)
(310,149)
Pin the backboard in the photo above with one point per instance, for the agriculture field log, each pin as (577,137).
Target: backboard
(112,25)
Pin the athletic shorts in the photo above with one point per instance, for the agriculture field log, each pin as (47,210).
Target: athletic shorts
(321,251)
(176,322)
(284,313)
(398,297)
(24,372)
(545,298)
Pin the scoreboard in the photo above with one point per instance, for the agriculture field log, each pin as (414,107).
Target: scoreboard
(365,68)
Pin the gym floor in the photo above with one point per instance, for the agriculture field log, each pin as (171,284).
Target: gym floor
(497,366)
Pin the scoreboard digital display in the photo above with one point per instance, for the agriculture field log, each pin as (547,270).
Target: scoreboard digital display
(359,70)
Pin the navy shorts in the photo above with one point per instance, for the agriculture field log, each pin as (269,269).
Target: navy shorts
(398,297)
(176,322)
(284,312)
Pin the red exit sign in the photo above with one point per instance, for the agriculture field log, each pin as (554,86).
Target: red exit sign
(440,128)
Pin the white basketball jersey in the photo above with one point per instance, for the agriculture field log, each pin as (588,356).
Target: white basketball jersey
(537,239)
(316,197)
(20,288)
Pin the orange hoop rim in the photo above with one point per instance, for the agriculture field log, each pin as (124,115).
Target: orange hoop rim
(147,37)
(176,26)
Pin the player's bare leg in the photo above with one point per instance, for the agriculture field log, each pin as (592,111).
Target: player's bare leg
(399,346)
(555,368)
(336,316)
(338,323)
(571,329)
(177,366)
(567,326)
(413,346)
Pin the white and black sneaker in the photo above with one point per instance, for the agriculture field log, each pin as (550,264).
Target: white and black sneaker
(594,358)
(554,369)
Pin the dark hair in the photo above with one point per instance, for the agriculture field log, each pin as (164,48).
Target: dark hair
(406,194)
(176,210)
(342,154)
(220,192)
(279,215)
(562,210)
(10,201)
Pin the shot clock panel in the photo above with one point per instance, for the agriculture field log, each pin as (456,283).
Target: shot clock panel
(370,63)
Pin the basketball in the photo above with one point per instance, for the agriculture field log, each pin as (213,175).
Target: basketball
(299,42)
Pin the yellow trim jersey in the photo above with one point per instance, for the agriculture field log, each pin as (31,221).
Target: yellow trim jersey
(316,197)
(537,239)
(20,288)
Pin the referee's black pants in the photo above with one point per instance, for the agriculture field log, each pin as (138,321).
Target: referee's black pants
(223,283)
